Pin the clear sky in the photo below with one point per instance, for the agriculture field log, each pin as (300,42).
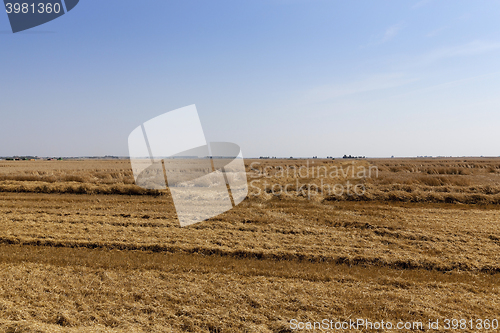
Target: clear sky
(277,77)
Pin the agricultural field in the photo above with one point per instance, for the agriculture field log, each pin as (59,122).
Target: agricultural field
(83,249)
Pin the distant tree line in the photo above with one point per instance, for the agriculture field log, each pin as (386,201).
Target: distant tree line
(350,156)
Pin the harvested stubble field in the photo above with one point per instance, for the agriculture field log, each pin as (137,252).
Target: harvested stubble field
(85,250)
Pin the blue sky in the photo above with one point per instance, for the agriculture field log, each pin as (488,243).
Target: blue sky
(277,77)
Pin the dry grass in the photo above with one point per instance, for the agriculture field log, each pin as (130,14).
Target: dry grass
(86,171)
(89,290)
(474,181)
(101,260)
